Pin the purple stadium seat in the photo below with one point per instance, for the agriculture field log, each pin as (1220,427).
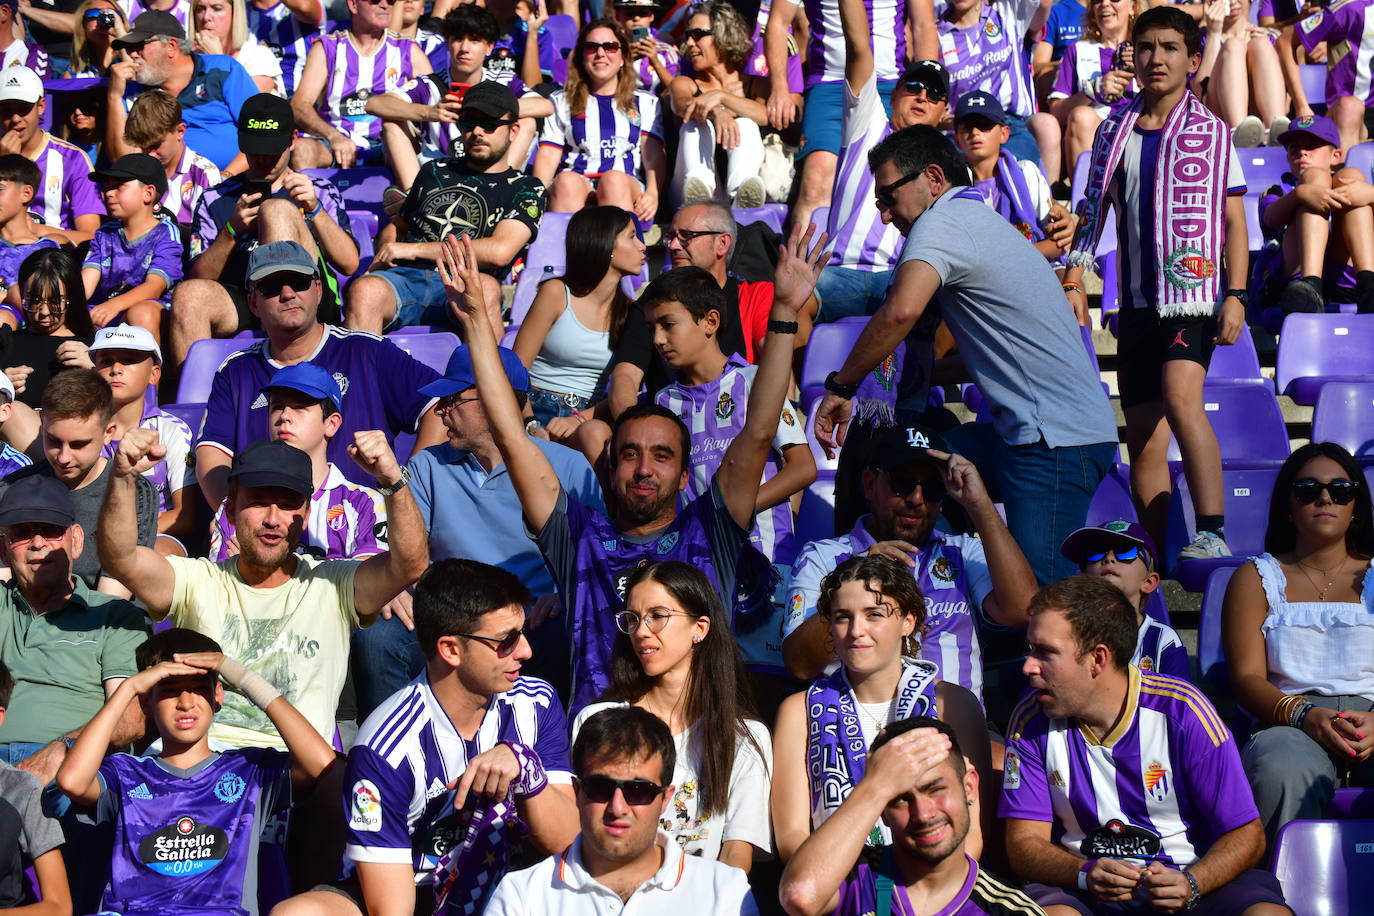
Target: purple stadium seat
(1237,364)
(1345,415)
(1361,156)
(1252,220)
(816,519)
(768,214)
(972,397)
(361,188)
(1157,608)
(563,30)
(820,216)
(826,351)
(1324,866)
(1112,501)
(1316,349)
(1350,803)
(1313,79)
(202,362)
(431,349)
(193,414)
(508,338)
(1211,659)
(1106,269)
(1077,187)
(1248,423)
(546,258)
(559,71)
(1246,492)
(1263,166)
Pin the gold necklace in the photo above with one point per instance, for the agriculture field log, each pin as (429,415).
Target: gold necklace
(1331,580)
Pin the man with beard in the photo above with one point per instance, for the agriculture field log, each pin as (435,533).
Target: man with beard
(477,195)
(211,88)
(918,782)
(964,579)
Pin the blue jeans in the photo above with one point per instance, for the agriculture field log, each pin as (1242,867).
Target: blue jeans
(845,292)
(385,657)
(1046,491)
(420,297)
(548,404)
(19,750)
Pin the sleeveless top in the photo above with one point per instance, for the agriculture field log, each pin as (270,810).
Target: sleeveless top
(573,358)
(1321,647)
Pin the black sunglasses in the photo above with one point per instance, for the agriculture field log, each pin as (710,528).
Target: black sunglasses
(1125,556)
(504,645)
(1309,490)
(883,193)
(608,46)
(697,34)
(933,93)
(903,483)
(469,123)
(601,789)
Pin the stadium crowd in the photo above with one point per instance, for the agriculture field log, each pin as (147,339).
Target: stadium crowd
(541,457)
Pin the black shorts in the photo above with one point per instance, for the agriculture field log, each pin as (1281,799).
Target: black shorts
(1146,341)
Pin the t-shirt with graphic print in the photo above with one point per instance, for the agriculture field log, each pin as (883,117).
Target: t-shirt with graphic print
(449,198)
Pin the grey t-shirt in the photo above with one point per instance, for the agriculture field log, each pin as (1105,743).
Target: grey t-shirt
(1015,330)
(25,831)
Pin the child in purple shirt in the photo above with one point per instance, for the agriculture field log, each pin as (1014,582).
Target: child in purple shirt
(135,259)
(20,235)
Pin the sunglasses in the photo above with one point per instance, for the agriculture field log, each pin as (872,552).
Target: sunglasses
(903,483)
(468,123)
(610,47)
(933,93)
(601,789)
(271,285)
(685,237)
(504,645)
(1309,490)
(697,34)
(883,193)
(1125,556)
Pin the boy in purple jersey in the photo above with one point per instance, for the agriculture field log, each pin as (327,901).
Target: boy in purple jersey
(919,784)
(20,235)
(1123,553)
(1348,88)
(135,259)
(346,520)
(188,822)
(155,127)
(11,459)
(1166,166)
(1123,791)
(655,61)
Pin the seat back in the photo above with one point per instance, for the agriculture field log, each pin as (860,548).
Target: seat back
(1361,156)
(1246,492)
(816,518)
(202,362)
(1210,657)
(1263,166)
(1316,346)
(1350,802)
(1313,79)
(431,349)
(827,350)
(1248,423)
(192,414)
(546,258)
(771,215)
(1324,866)
(1238,363)
(361,188)
(1345,416)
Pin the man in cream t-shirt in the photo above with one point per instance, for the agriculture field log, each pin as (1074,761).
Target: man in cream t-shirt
(285,615)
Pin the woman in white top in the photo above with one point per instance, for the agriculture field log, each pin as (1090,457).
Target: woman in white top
(876,615)
(1298,631)
(604,143)
(678,660)
(221,27)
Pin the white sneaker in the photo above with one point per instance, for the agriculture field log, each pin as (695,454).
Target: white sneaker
(697,187)
(1206,546)
(751,194)
(1248,133)
(1276,129)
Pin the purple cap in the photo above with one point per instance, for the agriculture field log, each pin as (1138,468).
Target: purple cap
(1319,126)
(1108,536)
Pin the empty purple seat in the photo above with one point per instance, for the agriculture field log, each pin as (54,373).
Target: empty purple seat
(1324,866)
(826,351)
(1317,349)
(816,519)
(1237,364)
(1361,156)
(1313,79)
(1246,492)
(361,188)
(1263,166)
(192,414)
(1112,500)
(1350,802)
(547,257)
(202,362)
(431,349)
(769,214)
(1248,423)
(1210,657)
(1345,415)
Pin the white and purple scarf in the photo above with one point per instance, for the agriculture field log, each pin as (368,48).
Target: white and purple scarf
(1015,203)
(1189,202)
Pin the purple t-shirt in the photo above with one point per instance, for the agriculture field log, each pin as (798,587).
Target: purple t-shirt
(1173,777)
(66,190)
(125,263)
(11,256)
(1351,23)
(380,384)
(980,895)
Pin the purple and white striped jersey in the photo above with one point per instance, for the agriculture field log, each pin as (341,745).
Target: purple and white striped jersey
(354,77)
(22,54)
(603,138)
(1161,786)
(953,575)
(286,36)
(861,240)
(714,414)
(1083,63)
(989,55)
(1353,74)
(177,469)
(66,191)
(399,808)
(757,63)
(1159,650)
(194,174)
(181,9)
(346,521)
(825,52)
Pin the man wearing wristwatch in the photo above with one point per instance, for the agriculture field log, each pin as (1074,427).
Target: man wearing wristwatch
(1122,790)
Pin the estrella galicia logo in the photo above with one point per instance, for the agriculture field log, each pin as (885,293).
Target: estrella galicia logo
(230,788)
(1118,840)
(667,542)
(184,848)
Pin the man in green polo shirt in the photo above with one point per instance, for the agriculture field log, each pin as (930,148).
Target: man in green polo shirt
(67,646)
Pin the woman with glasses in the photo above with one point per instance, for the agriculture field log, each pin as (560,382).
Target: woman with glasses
(1298,632)
(221,27)
(720,107)
(567,338)
(78,115)
(98,24)
(876,616)
(57,328)
(604,143)
(677,659)
(1096,74)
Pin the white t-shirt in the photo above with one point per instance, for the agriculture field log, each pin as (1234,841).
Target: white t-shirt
(746,818)
(259,60)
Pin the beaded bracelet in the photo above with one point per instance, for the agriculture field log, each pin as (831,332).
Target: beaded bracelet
(1300,715)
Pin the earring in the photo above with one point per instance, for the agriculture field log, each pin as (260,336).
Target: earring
(696,639)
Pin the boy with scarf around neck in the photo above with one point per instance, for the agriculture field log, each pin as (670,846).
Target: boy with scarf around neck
(1181,223)
(1015,188)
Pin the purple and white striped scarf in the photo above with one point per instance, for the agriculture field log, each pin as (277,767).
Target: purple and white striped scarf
(1189,202)
(1016,205)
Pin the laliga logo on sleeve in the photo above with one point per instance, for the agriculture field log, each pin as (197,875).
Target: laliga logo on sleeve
(365,806)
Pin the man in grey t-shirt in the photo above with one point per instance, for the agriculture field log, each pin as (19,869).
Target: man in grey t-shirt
(1053,436)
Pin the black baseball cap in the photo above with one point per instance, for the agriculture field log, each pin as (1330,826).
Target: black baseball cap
(929,75)
(491,98)
(273,463)
(136,166)
(266,125)
(149,25)
(980,104)
(899,445)
(38,498)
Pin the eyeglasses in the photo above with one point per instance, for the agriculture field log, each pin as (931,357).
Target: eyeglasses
(601,789)
(628,622)
(933,93)
(1125,556)
(19,535)
(903,483)
(883,193)
(272,285)
(684,237)
(610,47)
(451,401)
(1309,490)
(698,34)
(469,123)
(52,306)
(503,645)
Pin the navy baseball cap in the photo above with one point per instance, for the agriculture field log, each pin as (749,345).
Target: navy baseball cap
(39,499)
(458,375)
(273,463)
(1113,536)
(287,255)
(136,167)
(310,380)
(980,104)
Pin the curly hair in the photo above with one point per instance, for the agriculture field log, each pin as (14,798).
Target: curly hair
(884,577)
(733,38)
(578,87)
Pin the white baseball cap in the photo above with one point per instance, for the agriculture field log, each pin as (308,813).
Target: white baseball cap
(7,386)
(126,337)
(20,84)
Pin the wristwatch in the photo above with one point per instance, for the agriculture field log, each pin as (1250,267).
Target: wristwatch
(1242,294)
(834,386)
(1194,892)
(398,486)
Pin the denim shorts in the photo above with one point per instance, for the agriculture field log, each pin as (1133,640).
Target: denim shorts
(549,404)
(420,297)
(823,114)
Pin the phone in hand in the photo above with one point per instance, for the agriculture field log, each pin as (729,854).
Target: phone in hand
(459,89)
(639,33)
(261,187)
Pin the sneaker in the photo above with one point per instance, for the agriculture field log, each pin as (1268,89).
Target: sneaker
(392,199)
(750,194)
(1206,546)
(1249,132)
(1301,295)
(696,187)
(1277,127)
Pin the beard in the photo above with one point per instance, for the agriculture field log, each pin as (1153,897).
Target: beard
(642,511)
(255,554)
(485,156)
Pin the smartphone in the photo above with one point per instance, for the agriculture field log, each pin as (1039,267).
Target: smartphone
(459,89)
(1119,58)
(262,187)
(639,33)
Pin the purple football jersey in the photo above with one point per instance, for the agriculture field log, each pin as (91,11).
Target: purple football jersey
(988,55)
(285,35)
(22,54)
(125,263)
(1349,22)
(825,53)
(355,77)
(11,256)
(194,175)
(66,191)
